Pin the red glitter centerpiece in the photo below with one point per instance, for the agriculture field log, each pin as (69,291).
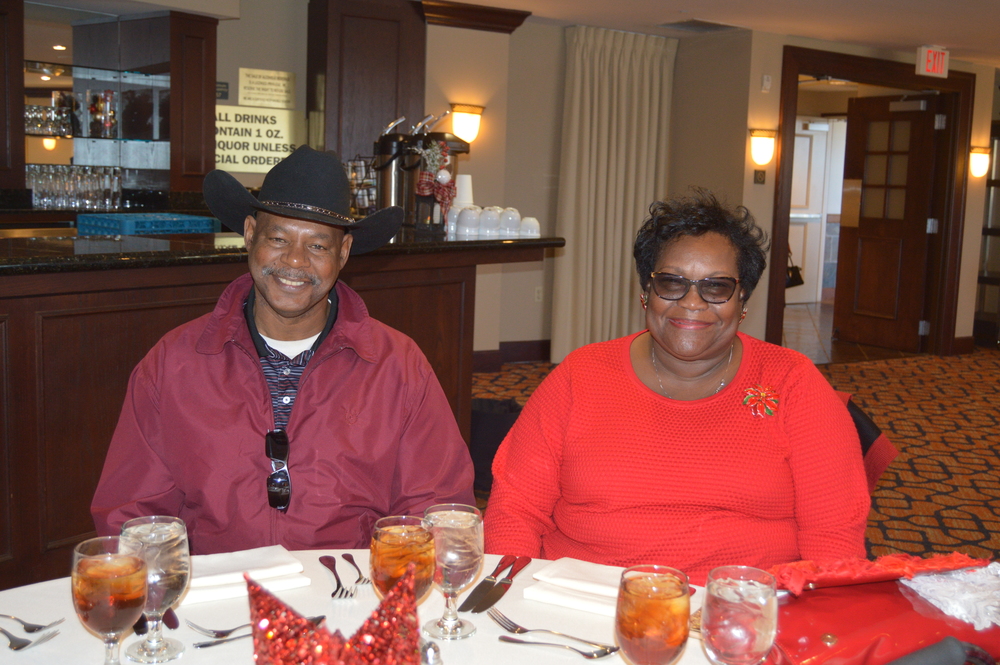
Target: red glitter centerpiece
(282,636)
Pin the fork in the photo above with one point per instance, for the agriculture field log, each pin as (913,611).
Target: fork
(218,634)
(512,627)
(599,653)
(349,558)
(20,644)
(31,627)
(224,633)
(341,591)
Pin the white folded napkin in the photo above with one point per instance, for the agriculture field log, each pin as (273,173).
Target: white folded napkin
(576,584)
(220,576)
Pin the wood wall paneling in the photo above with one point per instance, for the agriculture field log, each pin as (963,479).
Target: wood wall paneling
(86,355)
(192,92)
(77,337)
(11,94)
(6,511)
(366,62)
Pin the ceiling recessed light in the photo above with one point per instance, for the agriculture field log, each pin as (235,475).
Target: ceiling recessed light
(58,47)
(45,78)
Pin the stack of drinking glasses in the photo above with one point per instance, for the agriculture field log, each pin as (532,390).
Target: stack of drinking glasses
(64,187)
(47,121)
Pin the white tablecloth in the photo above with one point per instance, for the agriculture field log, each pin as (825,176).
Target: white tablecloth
(48,601)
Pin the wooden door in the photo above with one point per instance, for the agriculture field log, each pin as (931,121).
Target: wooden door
(888,188)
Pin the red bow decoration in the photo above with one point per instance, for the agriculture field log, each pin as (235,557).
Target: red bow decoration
(390,636)
(762,401)
(798,575)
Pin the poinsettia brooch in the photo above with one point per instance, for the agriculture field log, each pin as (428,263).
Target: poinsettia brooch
(762,401)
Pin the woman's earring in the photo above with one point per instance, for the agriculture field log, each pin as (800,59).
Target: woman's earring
(642,300)
(743,315)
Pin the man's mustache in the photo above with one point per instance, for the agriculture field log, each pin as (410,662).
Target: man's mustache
(290,274)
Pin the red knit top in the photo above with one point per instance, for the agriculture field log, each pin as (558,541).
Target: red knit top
(601,468)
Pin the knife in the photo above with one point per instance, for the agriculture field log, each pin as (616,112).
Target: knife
(486,585)
(500,588)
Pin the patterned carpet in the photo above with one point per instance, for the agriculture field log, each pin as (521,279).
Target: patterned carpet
(942,494)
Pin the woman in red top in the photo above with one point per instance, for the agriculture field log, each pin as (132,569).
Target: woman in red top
(688,444)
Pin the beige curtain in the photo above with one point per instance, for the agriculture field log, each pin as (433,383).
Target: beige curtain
(616,126)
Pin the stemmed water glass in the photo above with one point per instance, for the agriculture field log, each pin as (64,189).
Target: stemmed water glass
(651,619)
(458,555)
(163,543)
(397,541)
(109,589)
(740,617)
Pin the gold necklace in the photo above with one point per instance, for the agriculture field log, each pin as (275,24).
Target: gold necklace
(652,356)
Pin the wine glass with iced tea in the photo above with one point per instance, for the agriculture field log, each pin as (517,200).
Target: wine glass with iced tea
(397,541)
(109,589)
(740,618)
(163,543)
(651,620)
(458,555)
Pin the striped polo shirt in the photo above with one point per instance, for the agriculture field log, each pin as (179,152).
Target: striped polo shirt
(281,372)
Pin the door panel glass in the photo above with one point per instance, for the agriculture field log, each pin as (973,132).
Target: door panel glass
(897,204)
(875,169)
(897,170)
(872,202)
(878,136)
(900,135)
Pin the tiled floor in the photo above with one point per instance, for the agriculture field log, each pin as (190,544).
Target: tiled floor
(808,329)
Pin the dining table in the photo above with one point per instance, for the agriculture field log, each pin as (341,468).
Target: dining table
(48,601)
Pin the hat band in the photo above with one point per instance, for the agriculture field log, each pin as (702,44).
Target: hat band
(309,208)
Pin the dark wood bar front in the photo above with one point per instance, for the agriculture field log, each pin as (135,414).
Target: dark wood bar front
(74,323)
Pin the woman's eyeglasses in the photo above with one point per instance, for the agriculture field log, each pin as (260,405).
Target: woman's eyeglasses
(713,290)
(279,485)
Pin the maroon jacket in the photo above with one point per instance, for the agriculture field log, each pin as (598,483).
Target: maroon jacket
(371,434)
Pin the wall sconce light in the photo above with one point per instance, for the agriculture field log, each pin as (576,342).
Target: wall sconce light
(979,162)
(465,121)
(49,143)
(762,145)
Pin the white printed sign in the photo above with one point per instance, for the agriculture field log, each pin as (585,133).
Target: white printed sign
(252,140)
(267,88)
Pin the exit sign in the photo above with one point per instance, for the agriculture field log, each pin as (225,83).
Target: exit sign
(932,61)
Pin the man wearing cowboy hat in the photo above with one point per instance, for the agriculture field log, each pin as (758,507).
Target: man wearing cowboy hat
(287,415)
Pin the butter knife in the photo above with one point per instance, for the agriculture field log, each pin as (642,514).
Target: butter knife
(486,585)
(500,588)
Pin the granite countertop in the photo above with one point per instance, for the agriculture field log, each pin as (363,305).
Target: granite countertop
(71,253)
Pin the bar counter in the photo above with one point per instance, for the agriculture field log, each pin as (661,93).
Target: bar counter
(78,313)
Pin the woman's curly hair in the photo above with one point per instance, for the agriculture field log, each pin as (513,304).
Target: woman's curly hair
(696,216)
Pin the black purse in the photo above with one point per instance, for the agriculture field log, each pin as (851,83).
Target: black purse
(793,276)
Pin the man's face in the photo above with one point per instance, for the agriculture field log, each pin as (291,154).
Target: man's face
(294,264)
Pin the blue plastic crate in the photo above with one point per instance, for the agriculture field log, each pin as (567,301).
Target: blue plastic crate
(148,223)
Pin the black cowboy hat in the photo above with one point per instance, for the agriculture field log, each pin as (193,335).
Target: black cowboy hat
(310,185)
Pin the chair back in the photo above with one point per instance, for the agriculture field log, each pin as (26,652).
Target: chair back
(876,449)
